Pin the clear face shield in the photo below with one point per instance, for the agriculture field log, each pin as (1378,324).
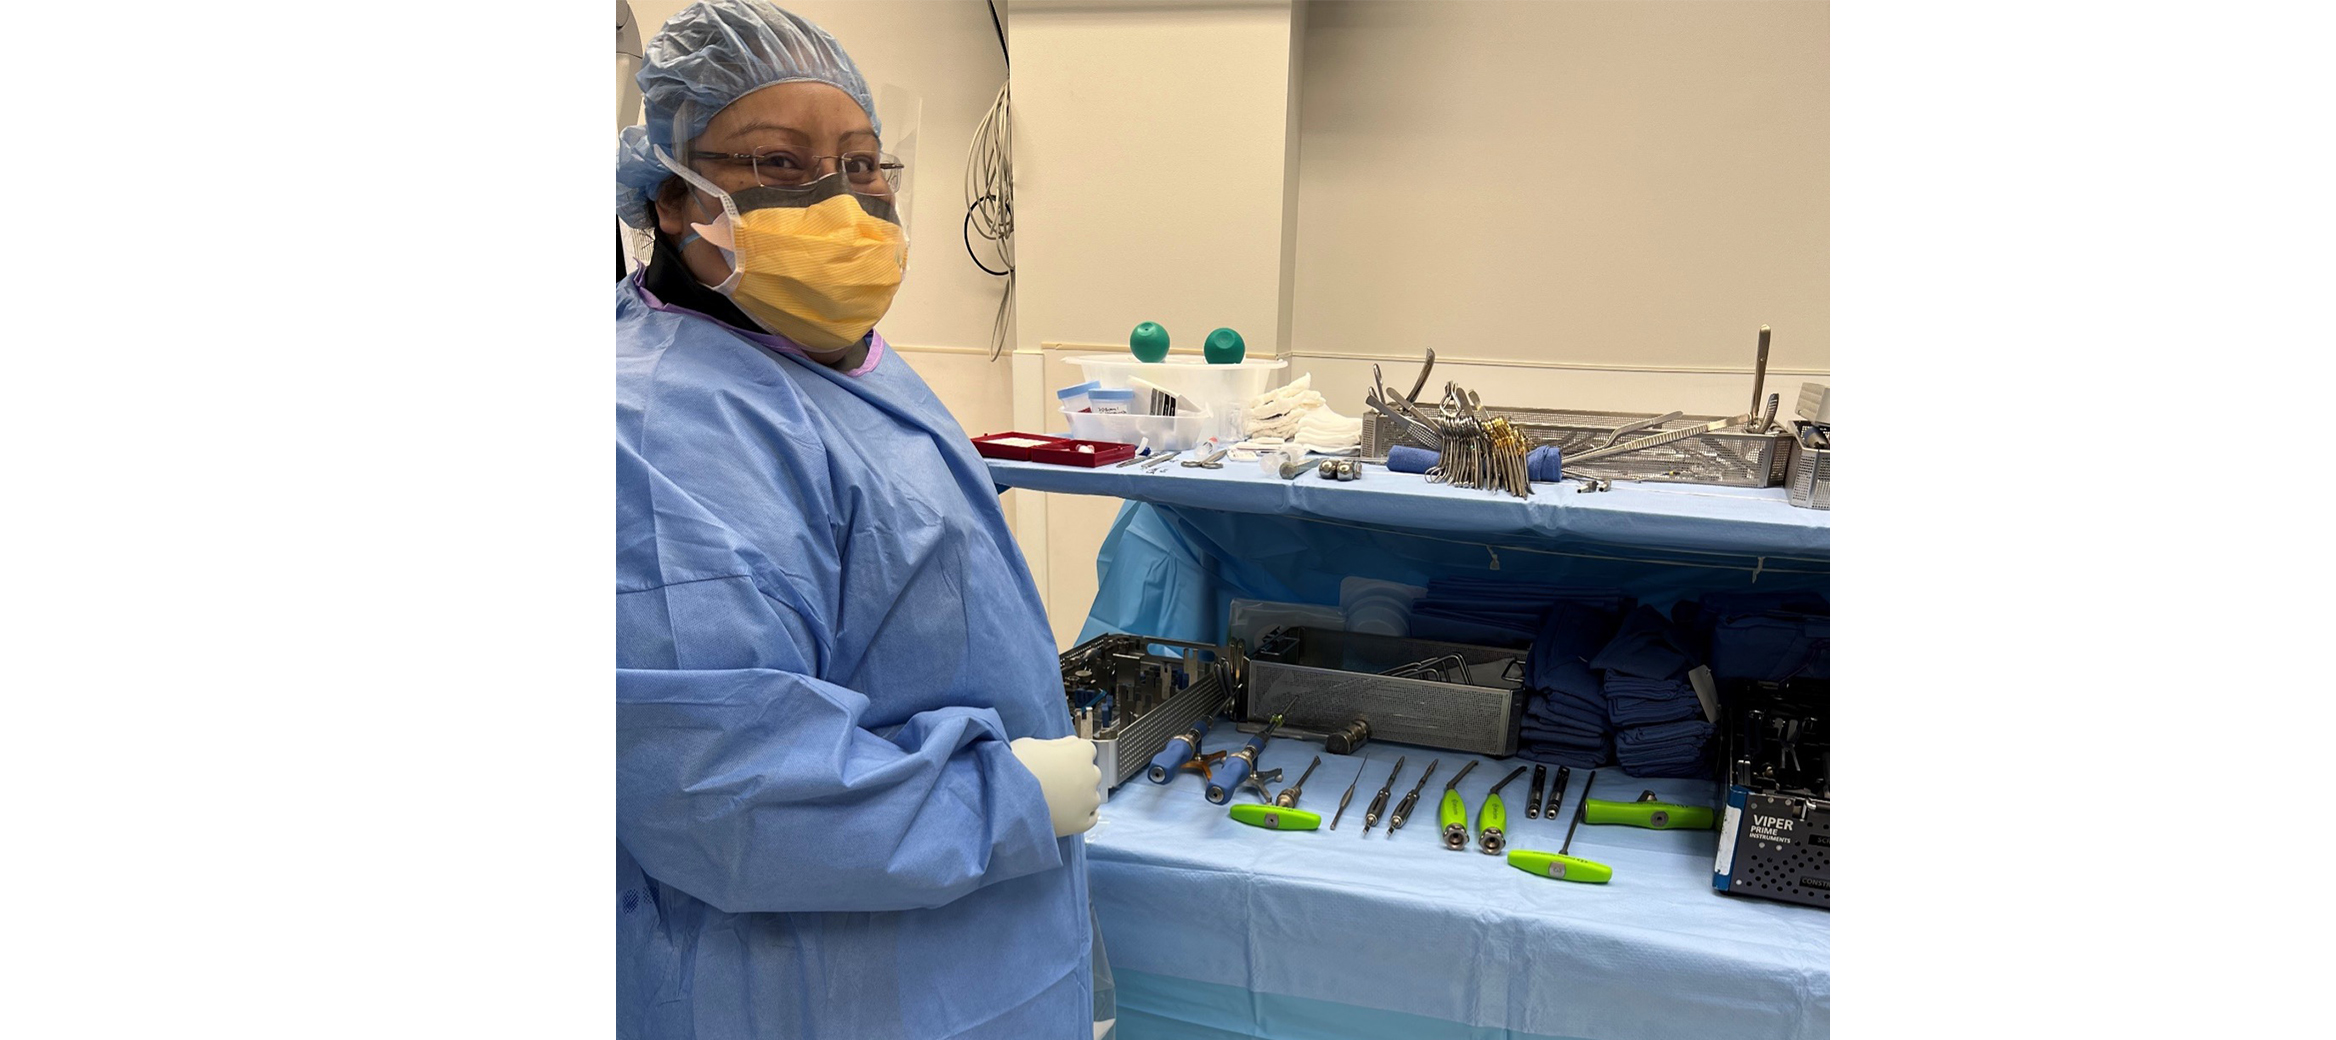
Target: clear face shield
(815,239)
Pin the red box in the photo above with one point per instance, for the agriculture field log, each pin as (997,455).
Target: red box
(1015,447)
(1089,454)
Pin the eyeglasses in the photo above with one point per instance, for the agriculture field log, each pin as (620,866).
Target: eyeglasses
(874,172)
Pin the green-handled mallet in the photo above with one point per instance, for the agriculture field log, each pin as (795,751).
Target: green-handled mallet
(1649,813)
(1559,865)
(1492,821)
(1453,813)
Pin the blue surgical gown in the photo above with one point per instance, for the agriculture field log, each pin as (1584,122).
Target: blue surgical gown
(825,639)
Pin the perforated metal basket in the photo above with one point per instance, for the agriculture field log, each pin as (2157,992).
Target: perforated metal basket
(1809,480)
(1730,458)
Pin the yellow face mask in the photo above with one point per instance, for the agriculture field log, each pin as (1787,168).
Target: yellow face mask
(821,275)
(817,264)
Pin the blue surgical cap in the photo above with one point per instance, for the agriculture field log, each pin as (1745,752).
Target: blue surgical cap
(711,54)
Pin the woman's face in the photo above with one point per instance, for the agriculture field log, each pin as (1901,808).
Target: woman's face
(796,131)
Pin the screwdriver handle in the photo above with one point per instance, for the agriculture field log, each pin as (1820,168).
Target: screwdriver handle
(1180,750)
(1561,867)
(1660,816)
(1492,823)
(1452,817)
(1276,818)
(1229,774)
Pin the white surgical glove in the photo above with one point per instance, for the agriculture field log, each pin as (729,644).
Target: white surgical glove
(1066,772)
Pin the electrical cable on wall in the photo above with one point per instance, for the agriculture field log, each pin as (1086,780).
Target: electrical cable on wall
(989,195)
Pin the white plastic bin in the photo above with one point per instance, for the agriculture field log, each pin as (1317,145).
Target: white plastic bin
(1224,389)
(1166,432)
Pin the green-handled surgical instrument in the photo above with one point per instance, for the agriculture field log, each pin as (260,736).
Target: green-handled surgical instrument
(1649,813)
(1452,815)
(1492,821)
(1559,865)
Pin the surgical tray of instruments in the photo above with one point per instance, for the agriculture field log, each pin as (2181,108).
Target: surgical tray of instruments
(1411,691)
(1730,458)
(1130,699)
(1776,839)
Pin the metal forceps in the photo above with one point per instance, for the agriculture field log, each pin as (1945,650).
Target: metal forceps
(1216,461)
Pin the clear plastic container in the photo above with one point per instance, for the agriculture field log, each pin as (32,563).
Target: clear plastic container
(1225,390)
(1166,432)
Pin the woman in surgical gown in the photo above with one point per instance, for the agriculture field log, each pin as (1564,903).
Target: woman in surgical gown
(841,738)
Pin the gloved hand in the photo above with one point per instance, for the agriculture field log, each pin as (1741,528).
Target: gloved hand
(1066,772)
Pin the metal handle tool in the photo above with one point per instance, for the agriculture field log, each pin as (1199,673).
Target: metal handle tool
(1238,765)
(1557,792)
(1180,750)
(1452,814)
(1759,375)
(1626,429)
(1214,461)
(1650,813)
(1403,808)
(1660,439)
(1142,447)
(1289,795)
(1379,801)
(1282,814)
(1422,382)
(1160,460)
(1492,821)
(1768,415)
(1533,792)
(1558,864)
(1349,795)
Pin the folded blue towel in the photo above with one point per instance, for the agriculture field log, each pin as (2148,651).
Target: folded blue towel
(1543,464)
(1558,756)
(1640,702)
(1572,634)
(1670,749)
(1403,458)
(1648,646)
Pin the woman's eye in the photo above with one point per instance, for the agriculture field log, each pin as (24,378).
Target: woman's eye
(781,160)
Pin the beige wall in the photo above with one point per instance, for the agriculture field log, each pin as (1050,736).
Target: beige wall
(1605,184)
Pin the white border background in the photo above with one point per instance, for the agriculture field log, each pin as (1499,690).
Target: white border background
(309,726)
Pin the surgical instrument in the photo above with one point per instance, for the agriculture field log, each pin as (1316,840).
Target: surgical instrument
(1214,461)
(1347,739)
(1759,376)
(1634,427)
(1558,864)
(1282,814)
(1379,801)
(1160,460)
(1349,795)
(1452,815)
(1661,439)
(1648,812)
(1289,795)
(1180,750)
(1533,793)
(1403,808)
(1492,821)
(1143,450)
(1241,763)
(1557,792)
(1257,781)
(1421,383)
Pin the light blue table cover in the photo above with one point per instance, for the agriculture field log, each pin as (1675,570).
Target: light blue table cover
(1219,930)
